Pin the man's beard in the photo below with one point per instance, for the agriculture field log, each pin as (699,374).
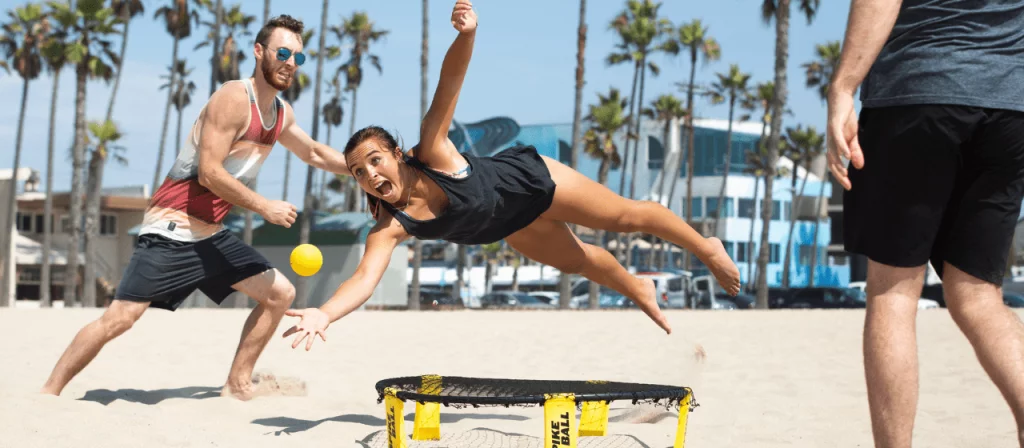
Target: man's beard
(270,75)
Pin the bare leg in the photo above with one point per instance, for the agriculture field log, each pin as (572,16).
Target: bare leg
(582,201)
(116,320)
(890,352)
(275,294)
(552,243)
(994,330)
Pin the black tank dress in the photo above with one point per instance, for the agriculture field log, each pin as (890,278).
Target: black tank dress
(501,194)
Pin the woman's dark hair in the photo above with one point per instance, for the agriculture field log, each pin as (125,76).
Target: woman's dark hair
(385,139)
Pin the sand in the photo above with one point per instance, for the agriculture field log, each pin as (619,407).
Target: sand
(762,379)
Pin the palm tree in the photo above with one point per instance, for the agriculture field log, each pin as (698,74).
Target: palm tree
(606,120)
(126,10)
(694,37)
(86,29)
(266,10)
(333,115)
(731,87)
(817,226)
(756,162)
(305,221)
(178,19)
(778,10)
(291,95)
(820,70)
(642,33)
(565,294)
(417,245)
(805,145)
(229,55)
(666,109)
(218,14)
(22,41)
(183,88)
(104,147)
(54,55)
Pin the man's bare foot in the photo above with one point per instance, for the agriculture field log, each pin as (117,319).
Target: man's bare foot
(648,302)
(722,267)
(264,384)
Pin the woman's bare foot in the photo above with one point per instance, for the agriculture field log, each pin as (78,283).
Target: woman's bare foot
(722,267)
(648,302)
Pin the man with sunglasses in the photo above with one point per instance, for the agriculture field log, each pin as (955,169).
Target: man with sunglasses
(183,245)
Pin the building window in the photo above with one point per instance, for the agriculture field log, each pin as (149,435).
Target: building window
(748,208)
(776,211)
(730,249)
(698,209)
(108,225)
(773,253)
(741,252)
(23,222)
(713,208)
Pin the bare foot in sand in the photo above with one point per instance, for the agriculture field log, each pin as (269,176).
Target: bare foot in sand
(722,267)
(264,384)
(648,302)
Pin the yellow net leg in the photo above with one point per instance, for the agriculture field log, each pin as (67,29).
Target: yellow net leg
(594,421)
(427,425)
(394,411)
(684,412)
(560,421)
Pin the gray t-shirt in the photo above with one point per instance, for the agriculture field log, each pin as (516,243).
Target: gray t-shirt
(962,52)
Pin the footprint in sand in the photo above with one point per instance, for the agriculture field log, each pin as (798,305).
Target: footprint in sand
(266,384)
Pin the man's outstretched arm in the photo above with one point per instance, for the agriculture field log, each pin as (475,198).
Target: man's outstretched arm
(308,150)
(222,122)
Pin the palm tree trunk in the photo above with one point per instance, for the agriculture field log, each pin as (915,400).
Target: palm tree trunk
(266,10)
(78,160)
(460,266)
(45,299)
(215,59)
(167,118)
(689,148)
(515,273)
(93,191)
(417,245)
(792,225)
(620,250)
(120,68)
(564,288)
(750,241)
(177,135)
(7,237)
(817,225)
(594,298)
(360,199)
(661,192)
(636,149)
(778,103)
(725,174)
(301,285)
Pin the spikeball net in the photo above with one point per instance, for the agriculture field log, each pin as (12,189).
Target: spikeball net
(560,399)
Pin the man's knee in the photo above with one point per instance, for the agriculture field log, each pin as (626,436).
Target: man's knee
(968,297)
(282,294)
(118,319)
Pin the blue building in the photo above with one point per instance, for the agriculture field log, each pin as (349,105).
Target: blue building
(742,210)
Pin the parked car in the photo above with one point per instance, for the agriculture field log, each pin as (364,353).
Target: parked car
(825,297)
(1013,299)
(671,287)
(509,299)
(742,301)
(548,297)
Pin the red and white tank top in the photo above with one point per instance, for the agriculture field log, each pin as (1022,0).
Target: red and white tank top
(182,209)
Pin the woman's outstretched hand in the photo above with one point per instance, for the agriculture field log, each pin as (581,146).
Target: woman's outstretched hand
(463,16)
(313,322)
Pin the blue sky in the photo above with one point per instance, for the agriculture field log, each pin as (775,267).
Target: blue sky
(523,67)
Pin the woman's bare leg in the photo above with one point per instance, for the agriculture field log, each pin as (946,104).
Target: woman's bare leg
(552,243)
(582,201)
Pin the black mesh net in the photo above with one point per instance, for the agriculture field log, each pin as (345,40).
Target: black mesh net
(463,391)
(485,438)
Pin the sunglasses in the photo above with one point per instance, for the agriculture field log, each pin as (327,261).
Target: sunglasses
(283,54)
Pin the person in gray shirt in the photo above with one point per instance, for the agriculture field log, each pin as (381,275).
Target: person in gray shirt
(932,171)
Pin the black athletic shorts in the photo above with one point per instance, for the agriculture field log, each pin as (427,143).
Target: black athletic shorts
(940,184)
(165,271)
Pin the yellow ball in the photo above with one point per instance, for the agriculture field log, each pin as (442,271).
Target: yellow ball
(306,260)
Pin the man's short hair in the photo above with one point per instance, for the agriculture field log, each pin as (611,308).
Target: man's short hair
(282,21)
